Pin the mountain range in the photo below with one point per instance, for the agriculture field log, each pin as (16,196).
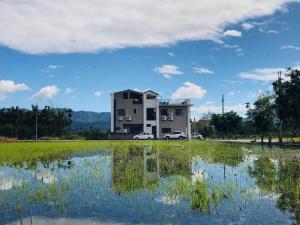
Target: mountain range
(84,120)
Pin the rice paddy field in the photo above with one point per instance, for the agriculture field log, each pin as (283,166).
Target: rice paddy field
(144,182)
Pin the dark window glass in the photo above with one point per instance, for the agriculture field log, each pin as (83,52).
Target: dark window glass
(121,112)
(148,125)
(178,112)
(151,97)
(134,111)
(166,130)
(125,95)
(163,112)
(151,114)
(118,128)
(136,98)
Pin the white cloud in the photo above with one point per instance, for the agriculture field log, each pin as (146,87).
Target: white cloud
(230,46)
(239,51)
(211,107)
(255,94)
(98,93)
(189,90)
(263,74)
(272,32)
(9,87)
(54,67)
(233,33)
(168,70)
(171,54)
(247,26)
(45,93)
(202,70)
(70,90)
(68,26)
(290,47)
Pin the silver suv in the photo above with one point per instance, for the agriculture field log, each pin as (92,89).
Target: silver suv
(175,135)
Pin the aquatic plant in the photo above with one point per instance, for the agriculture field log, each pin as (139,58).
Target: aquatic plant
(201,198)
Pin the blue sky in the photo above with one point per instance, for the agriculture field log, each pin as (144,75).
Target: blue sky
(189,55)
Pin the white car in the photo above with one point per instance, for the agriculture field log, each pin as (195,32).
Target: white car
(175,135)
(143,136)
(197,136)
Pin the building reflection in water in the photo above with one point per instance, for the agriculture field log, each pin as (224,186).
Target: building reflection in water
(141,167)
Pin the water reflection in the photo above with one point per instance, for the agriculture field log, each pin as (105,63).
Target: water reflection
(281,178)
(148,185)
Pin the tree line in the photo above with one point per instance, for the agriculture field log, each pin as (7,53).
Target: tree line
(272,114)
(21,123)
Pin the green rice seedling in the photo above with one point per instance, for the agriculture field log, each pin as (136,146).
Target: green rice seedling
(201,199)
(218,194)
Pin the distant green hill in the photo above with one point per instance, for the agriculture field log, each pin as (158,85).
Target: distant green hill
(84,120)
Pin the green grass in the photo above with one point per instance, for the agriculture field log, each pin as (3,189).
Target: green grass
(32,152)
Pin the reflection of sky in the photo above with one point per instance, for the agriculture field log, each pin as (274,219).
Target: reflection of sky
(7,183)
(90,199)
(62,221)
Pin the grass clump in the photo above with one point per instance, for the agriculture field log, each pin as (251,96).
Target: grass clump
(201,198)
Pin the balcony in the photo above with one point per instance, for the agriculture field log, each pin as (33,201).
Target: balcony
(128,118)
(175,102)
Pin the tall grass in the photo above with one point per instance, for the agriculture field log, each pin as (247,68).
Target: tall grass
(32,152)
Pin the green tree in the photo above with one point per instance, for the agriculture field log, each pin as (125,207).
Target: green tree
(263,115)
(228,123)
(20,123)
(287,99)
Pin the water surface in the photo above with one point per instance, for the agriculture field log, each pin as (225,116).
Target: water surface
(147,185)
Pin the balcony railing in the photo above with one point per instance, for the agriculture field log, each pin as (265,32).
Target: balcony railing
(175,101)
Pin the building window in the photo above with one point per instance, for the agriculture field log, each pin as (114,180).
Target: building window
(136,98)
(151,97)
(118,128)
(134,111)
(164,112)
(148,125)
(178,112)
(165,130)
(151,114)
(125,95)
(121,112)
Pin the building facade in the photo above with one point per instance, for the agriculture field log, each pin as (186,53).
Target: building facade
(133,112)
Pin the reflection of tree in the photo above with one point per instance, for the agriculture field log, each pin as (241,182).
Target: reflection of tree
(127,169)
(175,162)
(284,180)
(289,187)
(226,154)
(265,173)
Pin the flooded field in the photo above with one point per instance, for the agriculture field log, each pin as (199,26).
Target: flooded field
(145,183)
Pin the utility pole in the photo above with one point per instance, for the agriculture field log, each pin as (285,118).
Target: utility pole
(223,104)
(36,119)
(280,125)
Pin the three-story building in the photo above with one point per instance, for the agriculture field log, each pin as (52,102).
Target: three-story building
(133,112)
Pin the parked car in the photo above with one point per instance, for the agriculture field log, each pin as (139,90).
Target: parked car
(175,135)
(197,136)
(143,136)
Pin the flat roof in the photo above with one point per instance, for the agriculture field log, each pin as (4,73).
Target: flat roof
(128,90)
(138,92)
